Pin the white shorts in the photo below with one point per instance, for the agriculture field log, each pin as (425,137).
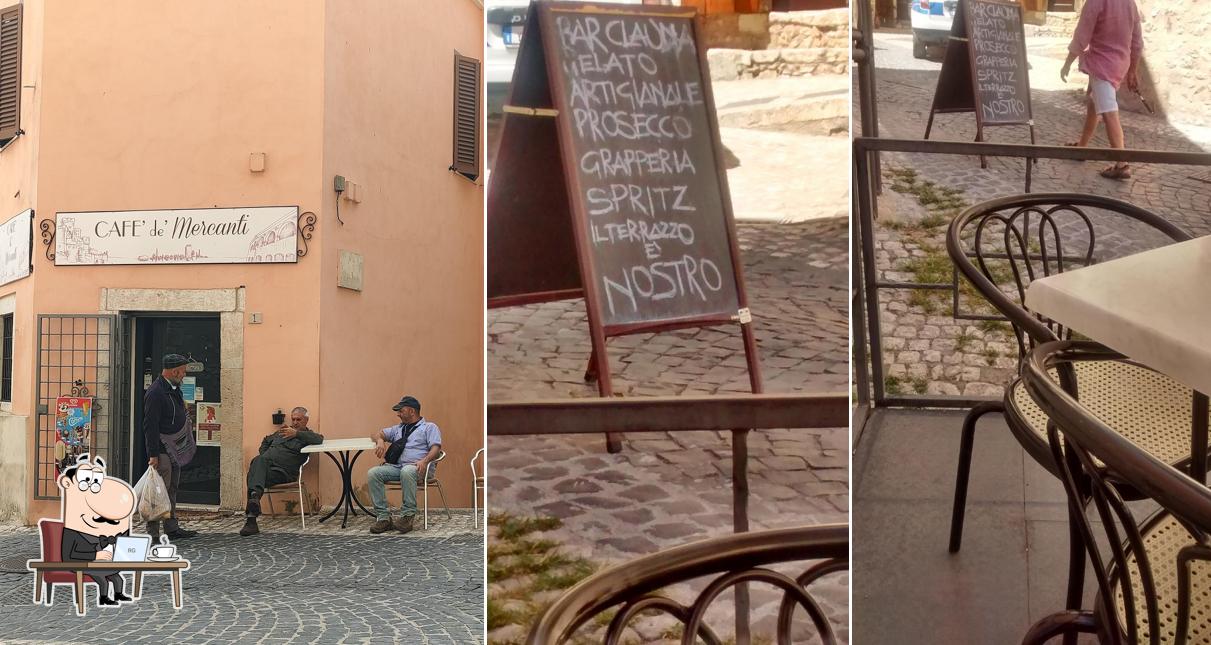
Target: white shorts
(1105,97)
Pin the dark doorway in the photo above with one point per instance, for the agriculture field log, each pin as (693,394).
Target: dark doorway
(196,337)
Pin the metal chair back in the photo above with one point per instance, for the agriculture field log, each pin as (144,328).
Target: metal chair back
(1002,245)
(633,586)
(1094,460)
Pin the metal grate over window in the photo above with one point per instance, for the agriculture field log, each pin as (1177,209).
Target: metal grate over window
(466,116)
(75,358)
(6,361)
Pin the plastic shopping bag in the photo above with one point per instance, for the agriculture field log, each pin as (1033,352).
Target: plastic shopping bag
(152,496)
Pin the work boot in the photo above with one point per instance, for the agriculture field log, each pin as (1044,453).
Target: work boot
(381,526)
(254,505)
(250,527)
(181,534)
(403,523)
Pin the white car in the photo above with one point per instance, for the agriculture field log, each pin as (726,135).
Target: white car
(506,21)
(931,20)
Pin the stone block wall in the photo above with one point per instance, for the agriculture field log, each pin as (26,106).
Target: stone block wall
(798,43)
(736,64)
(809,29)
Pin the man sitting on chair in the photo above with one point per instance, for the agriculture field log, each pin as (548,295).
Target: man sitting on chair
(279,461)
(420,441)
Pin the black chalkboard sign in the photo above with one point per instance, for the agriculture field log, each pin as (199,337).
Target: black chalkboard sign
(985,69)
(646,179)
(998,51)
(609,182)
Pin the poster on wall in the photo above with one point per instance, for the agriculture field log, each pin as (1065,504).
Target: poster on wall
(189,388)
(208,424)
(259,235)
(73,429)
(16,237)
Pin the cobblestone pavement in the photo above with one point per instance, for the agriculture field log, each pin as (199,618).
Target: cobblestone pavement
(286,585)
(925,349)
(663,490)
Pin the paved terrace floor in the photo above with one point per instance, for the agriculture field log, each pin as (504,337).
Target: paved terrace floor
(1012,569)
(321,584)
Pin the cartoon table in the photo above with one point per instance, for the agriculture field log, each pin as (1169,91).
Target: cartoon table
(139,568)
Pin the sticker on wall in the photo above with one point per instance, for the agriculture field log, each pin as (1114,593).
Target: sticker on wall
(198,394)
(73,429)
(189,388)
(209,424)
(147,379)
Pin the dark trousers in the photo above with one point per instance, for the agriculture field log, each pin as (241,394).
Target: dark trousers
(114,578)
(262,474)
(170,472)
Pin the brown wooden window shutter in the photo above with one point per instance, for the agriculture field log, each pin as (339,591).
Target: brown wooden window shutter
(10,72)
(466,116)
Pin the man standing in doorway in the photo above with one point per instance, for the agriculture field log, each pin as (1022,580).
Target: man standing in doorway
(408,449)
(164,419)
(1108,40)
(278,462)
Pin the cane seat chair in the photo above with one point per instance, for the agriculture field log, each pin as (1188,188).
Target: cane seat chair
(634,587)
(1155,586)
(1000,246)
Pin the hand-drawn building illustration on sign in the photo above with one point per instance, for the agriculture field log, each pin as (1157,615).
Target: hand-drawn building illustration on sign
(16,236)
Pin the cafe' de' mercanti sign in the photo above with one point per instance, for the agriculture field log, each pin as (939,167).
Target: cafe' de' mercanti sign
(191,236)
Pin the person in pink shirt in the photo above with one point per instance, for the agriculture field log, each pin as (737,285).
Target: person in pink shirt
(1109,43)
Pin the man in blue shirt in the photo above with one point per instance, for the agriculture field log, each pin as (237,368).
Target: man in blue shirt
(421,441)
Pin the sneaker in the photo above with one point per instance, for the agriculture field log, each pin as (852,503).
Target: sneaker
(381,526)
(403,524)
(250,527)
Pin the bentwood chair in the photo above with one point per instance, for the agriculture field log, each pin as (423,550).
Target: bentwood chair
(1155,586)
(633,587)
(424,488)
(288,488)
(1000,246)
(478,484)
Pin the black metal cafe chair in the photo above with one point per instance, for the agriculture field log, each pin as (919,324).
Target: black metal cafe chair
(1000,246)
(633,587)
(1155,584)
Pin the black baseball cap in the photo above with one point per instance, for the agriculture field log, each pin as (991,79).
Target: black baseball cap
(407,402)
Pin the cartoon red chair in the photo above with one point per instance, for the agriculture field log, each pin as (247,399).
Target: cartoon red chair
(45,581)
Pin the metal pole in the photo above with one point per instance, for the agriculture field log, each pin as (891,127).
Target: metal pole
(866,225)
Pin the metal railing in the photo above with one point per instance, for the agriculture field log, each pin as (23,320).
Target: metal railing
(865,314)
(735,413)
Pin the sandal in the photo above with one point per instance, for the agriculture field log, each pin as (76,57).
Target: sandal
(1118,172)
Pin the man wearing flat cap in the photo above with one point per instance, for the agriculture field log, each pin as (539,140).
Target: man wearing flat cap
(165,419)
(417,442)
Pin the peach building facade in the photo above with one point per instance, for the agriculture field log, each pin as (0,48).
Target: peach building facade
(162,107)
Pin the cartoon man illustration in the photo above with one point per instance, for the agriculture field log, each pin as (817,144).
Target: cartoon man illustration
(96,510)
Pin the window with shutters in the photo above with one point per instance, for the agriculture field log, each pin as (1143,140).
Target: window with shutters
(466,116)
(10,72)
